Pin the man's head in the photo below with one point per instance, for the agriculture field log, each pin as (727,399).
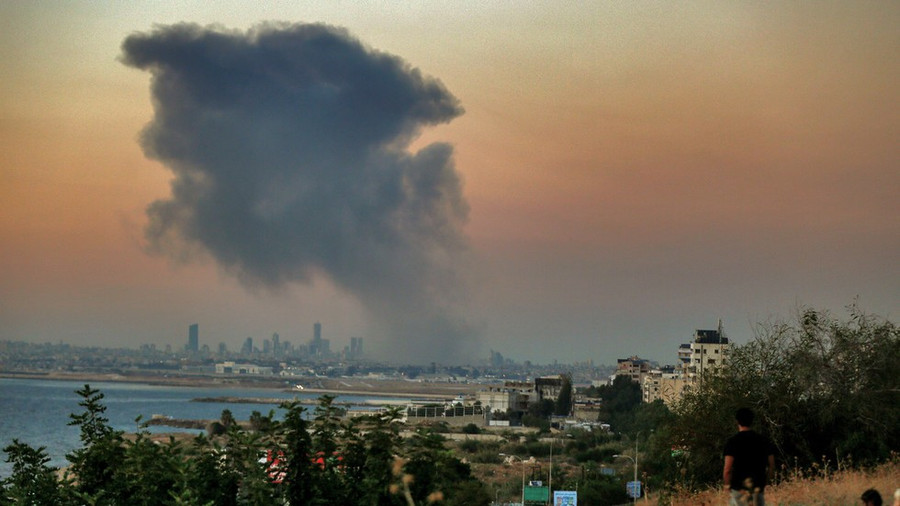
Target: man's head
(744,417)
(871,497)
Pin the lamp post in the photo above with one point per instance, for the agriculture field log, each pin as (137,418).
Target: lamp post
(635,468)
(523,473)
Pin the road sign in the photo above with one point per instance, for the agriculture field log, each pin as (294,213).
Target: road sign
(634,489)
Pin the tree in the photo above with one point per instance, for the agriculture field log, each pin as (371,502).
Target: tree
(326,474)
(95,464)
(380,470)
(260,422)
(32,481)
(542,408)
(149,473)
(207,477)
(298,454)
(227,418)
(436,472)
(620,399)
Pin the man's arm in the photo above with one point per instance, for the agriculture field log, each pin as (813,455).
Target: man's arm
(770,470)
(726,471)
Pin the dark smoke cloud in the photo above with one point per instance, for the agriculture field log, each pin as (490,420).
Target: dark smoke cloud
(290,150)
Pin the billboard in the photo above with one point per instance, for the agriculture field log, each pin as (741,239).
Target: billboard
(537,494)
(565,498)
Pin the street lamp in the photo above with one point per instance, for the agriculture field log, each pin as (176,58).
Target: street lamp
(523,473)
(635,469)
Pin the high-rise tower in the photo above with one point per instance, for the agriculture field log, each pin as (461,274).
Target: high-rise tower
(193,343)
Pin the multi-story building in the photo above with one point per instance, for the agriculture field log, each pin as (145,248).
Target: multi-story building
(233,368)
(633,367)
(706,353)
(667,385)
(513,395)
(356,349)
(193,343)
(499,399)
(548,387)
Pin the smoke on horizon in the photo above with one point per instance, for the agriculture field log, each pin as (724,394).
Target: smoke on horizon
(289,145)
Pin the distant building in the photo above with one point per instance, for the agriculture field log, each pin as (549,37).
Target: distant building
(356,348)
(318,347)
(193,343)
(665,385)
(247,348)
(548,387)
(500,400)
(706,353)
(249,369)
(633,367)
(513,395)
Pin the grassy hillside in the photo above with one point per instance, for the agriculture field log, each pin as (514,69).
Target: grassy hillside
(825,487)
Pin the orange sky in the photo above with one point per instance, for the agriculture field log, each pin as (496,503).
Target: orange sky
(634,171)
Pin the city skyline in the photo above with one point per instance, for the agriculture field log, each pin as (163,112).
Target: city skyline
(629,173)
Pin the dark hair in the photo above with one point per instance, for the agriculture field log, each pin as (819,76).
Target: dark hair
(744,417)
(871,496)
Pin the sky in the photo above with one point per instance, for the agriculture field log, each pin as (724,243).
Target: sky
(557,182)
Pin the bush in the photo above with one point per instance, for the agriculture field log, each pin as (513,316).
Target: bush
(487,456)
(469,445)
(542,424)
(471,429)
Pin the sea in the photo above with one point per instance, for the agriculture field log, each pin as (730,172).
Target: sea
(36,411)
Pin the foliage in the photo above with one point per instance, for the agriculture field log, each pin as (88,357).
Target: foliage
(297,447)
(541,409)
(820,387)
(32,481)
(227,418)
(260,422)
(541,423)
(620,400)
(471,429)
(96,463)
(602,490)
(294,461)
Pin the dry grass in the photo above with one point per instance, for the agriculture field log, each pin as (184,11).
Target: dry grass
(821,487)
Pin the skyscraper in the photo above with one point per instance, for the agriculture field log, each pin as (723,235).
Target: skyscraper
(316,345)
(355,347)
(193,343)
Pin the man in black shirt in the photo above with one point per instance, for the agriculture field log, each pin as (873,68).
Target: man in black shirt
(749,463)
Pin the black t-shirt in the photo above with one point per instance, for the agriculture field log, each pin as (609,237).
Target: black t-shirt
(751,457)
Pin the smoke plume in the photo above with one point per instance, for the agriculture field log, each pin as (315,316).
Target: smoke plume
(290,149)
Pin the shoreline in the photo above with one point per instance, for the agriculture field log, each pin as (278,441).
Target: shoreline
(370,387)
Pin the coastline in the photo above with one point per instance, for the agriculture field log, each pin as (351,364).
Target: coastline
(377,387)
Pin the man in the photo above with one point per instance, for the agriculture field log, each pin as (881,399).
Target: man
(749,463)
(871,497)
